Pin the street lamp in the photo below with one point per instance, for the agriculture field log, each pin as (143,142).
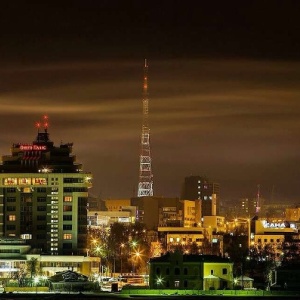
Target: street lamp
(135,257)
(133,246)
(98,250)
(235,281)
(159,282)
(121,256)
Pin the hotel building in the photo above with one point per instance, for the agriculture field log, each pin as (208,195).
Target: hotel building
(43,196)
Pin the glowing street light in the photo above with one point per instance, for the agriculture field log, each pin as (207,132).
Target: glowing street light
(235,281)
(135,257)
(121,255)
(159,282)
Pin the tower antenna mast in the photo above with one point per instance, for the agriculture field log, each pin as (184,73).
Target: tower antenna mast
(257,210)
(145,187)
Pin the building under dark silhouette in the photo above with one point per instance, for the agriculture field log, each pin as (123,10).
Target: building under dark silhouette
(205,192)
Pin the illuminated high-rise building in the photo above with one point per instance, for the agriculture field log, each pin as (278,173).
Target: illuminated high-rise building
(205,192)
(43,196)
(145,187)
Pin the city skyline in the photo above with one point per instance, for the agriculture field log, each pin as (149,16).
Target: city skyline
(223,92)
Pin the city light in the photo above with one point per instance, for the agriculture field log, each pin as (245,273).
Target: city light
(220,212)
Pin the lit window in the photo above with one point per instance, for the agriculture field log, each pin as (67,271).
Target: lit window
(67,208)
(178,239)
(67,236)
(26,236)
(68,199)
(12,218)
(171,240)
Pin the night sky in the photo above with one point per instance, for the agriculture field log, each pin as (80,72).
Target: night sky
(224,90)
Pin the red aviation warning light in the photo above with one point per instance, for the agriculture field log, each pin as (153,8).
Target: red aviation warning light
(38,126)
(46,122)
(42,136)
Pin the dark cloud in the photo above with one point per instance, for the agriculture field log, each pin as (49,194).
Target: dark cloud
(236,121)
(223,82)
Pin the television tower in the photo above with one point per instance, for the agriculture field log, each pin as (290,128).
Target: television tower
(257,210)
(145,187)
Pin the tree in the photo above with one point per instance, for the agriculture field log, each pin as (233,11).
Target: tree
(20,276)
(32,267)
(119,246)
(291,251)
(194,248)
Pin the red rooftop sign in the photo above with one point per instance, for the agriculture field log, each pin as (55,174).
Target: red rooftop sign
(33,147)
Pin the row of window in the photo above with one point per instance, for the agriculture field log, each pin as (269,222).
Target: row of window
(14,190)
(66,189)
(66,236)
(38,208)
(13,218)
(177,271)
(60,264)
(10,251)
(189,240)
(39,226)
(39,199)
(75,189)
(73,180)
(271,240)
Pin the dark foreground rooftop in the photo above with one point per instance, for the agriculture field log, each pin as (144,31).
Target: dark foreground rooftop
(161,295)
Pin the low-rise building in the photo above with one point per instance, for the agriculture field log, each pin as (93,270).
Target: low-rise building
(171,237)
(15,255)
(216,223)
(271,234)
(106,218)
(180,271)
(191,240)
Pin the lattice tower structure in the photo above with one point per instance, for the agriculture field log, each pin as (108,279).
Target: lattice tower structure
(258,206)
(145,187)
